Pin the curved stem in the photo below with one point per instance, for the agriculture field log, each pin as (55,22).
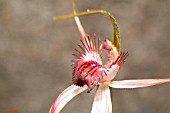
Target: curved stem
(116,38)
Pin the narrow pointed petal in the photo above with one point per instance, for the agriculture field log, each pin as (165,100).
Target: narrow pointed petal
(82,32)
(80,28)
(78,23)
(65,97)
(102,101)
(138,83)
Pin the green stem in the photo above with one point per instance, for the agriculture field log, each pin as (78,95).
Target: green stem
(116,38)
(74,6)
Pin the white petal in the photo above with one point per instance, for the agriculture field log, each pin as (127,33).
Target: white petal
(102,101)
(137,83)
(65,97)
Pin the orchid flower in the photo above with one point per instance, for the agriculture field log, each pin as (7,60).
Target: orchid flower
(89,70)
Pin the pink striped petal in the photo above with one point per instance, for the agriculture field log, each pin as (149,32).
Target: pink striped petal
(137,83)
(65,97)
(102,101)
(80,28)
(78,23)
(82,32)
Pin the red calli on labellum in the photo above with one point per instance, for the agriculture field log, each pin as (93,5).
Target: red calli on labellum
(88,67)
(90,71)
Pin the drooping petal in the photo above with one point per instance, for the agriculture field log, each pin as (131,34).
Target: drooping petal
(116,38)
(137,83)
(102,101)
(65,97)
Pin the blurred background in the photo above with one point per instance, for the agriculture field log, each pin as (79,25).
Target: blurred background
(36,53)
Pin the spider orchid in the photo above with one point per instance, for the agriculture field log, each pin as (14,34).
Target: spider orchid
(89,70)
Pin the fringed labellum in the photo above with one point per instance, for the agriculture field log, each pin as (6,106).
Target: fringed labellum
(88,67)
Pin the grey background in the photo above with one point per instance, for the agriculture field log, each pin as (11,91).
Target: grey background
(35,53)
